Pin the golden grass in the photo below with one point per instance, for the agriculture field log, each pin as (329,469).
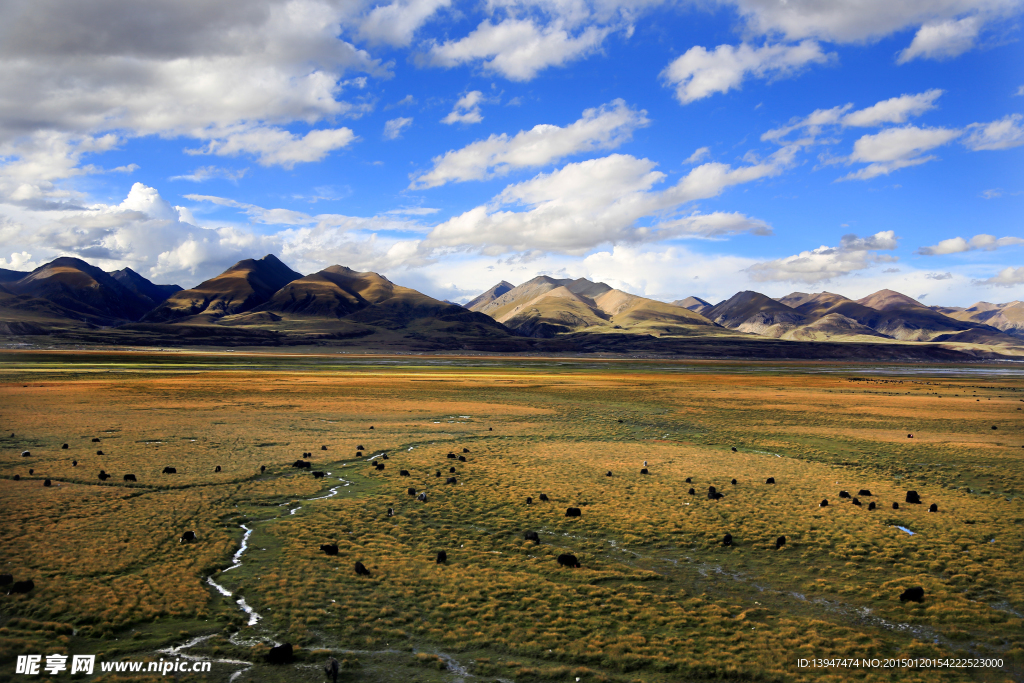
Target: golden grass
(658,598)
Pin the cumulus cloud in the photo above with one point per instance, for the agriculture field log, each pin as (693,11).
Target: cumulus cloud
(854,21)
(605,127)
(599,201)
(274,146)
(517,49)
(957,245)
(1007,277)
(943,39)
(698,73)
(397,22)
(698,155)
(825,263)
(164,242)
(1005,133)
(893,110)
(467,109)
(394,127)
(896,148)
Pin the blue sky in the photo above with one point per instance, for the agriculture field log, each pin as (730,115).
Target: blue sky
(667,148)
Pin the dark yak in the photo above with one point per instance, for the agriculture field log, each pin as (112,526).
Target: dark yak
(856,501)
(360,448)
(462,458)
(331,669)
(451,480)
(361,569)
(465,450)
(187,537)
(779,542)
(403,473)
(74,463)
(915,594)
(26,454)
(99,452)
(608,473)
(532,536)
(302,464)
(17,477)
(933,508)
(844,494)
(727,540)
(529,500)
(692,492)
(46,482)
(391,512)
(263,468)
(437,473)
(733,482)
(913,498)
(411,491)
(216,469)
(21,587)
(95,440)
(422,497)
(442,557)
(573,512)
(451,456)
(770,480)
(331,549)
(280,654)
(103,476)
(64,447)
(895,506)
(567,560)
(644,471)
(169,470)
(544,497)
(871,505)
(130,477)
(6,579)
(451,470)
(318,474)
(689,480)
(323,448)
(379,466)
(823,503)
(864,492)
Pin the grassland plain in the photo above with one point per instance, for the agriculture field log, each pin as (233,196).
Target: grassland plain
(658,596)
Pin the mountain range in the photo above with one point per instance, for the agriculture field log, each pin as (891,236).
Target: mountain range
(259,302)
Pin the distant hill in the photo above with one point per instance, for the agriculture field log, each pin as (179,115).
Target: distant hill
(11,275)
(240,288)
(263,302)
(694,304)
(155,294)
(77,286)
(1008,317)
(754,312)
(490,295)
(546,307)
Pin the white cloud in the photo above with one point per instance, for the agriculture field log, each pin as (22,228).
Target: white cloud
(939,276)
(825,263)
(1020,92)
(698,155)
(892,110)
(396,23)
(605,127)
(599,201)
(517,48)
(1007,277)
(394,127)
(855,21)
(467,109)
(896,148)
(274,146)
(1005,133)
(204,173)
(956,245)
(942,40)
(697,73)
